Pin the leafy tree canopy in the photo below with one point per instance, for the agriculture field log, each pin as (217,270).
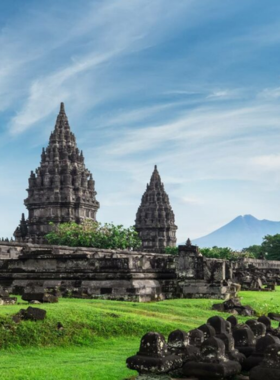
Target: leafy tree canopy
(93,234)
(269,249)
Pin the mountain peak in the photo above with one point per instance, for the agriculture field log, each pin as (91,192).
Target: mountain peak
(241,232)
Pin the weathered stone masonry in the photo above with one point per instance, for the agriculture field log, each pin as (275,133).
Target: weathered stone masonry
(61,190)
(155,221)
(120,275)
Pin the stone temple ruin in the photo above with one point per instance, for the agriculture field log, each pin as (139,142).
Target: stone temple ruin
(63,190)
(155,222)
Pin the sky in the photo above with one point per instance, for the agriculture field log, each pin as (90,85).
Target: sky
(190,85)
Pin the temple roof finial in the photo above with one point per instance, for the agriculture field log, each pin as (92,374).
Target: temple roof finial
(62,109)
(189,243)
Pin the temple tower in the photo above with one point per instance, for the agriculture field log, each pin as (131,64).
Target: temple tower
(155,222)
(61,189)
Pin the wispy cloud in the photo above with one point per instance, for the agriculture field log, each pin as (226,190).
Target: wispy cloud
(192,87)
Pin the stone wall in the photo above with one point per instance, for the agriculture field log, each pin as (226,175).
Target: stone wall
(248,272)
(111,274)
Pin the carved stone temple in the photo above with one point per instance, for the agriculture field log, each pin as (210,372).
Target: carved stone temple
(155,220)
(61,189)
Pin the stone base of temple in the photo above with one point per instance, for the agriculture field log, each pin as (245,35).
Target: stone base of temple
(202,289)
(107,274)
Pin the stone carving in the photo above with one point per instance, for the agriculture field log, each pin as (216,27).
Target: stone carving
(153,356)
(214,357)
(261,346)
(207,330)
(61,189)
(258,328)
(221,329)
(155,222)
(269,368)
(233,321)
(244,340)
(179,344)
(213,363)
(196,337)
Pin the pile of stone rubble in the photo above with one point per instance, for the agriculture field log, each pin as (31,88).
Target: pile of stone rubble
(234,306)
(30,314)
(5,298)
(219,349)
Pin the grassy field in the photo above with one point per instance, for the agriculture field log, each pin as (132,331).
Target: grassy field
(98,335)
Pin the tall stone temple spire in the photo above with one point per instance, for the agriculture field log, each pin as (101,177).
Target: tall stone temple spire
(155,220)
(61,189)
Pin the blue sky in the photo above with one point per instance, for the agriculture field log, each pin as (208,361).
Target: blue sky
(190,85)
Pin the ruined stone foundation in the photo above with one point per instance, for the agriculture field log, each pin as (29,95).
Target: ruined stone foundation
(109,274)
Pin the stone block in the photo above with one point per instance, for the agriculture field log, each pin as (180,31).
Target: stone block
(244,340)
(258,328)
(153,356)
(41,297)
(213,363)
(269,368)
(256,358)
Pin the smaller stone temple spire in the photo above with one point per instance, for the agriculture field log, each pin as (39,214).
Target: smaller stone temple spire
(21,231)
(155,220)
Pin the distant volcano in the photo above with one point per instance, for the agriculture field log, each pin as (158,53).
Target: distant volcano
(241,232)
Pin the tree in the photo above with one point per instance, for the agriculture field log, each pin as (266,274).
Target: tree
(218,253)
(271,247)
(254,251)
(93,234)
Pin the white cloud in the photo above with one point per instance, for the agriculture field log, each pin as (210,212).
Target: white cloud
(192,200)
(267,162)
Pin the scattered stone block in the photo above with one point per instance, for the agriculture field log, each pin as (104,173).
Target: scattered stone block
(258,328)
(213,364)
(196,337)
(31,313)
(8,300)
(233,321)
(218,307)
(207,330)
(269,329)
(221,328)
(179,344)
(153,356)
(269,368)
(261,346)
(178,340)
(266,321)
(60,326)
(234,306)
(41,297)
(244,340)
(274,316)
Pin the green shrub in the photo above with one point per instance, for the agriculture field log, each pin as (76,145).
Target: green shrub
(171,250)
(93,234)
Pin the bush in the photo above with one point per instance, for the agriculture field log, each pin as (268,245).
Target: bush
(171,250)
(93,234)
(217,253)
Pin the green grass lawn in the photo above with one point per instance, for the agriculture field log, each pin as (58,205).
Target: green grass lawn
(98,335)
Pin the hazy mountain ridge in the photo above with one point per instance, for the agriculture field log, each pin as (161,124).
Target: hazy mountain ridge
(241,232)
